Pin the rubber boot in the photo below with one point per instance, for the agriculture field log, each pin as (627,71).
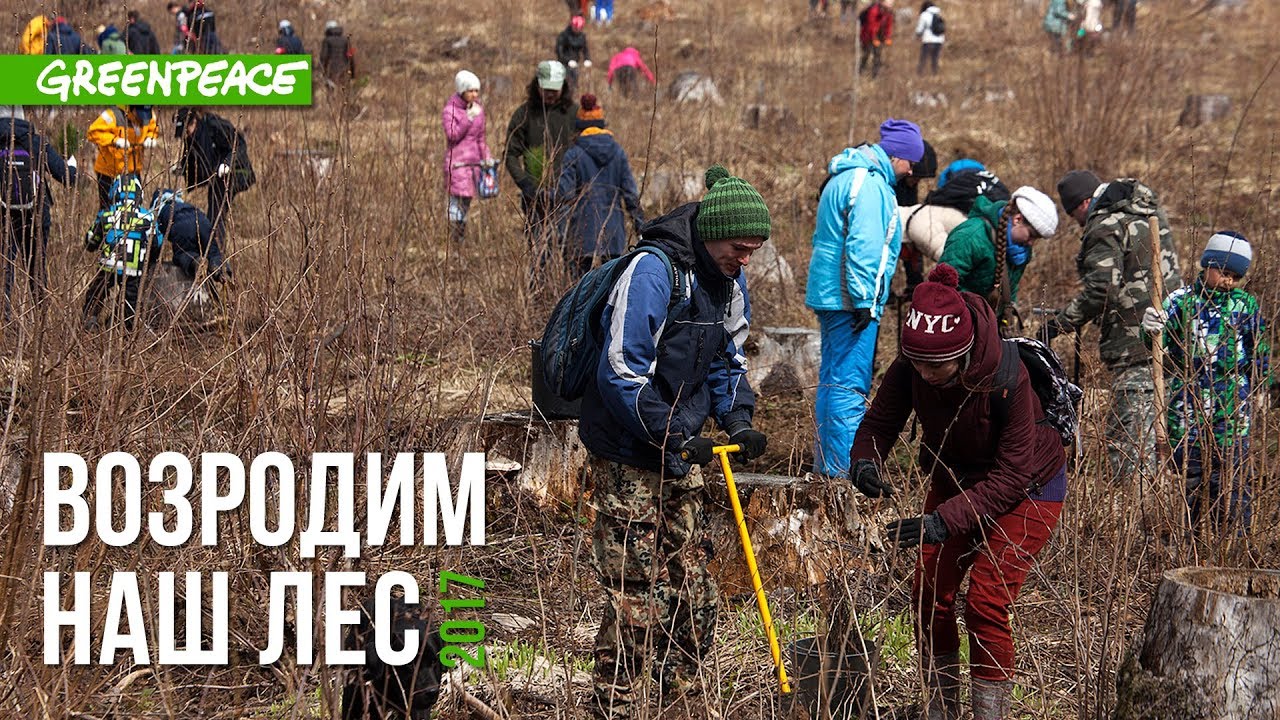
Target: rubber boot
(944,688)
(992,700)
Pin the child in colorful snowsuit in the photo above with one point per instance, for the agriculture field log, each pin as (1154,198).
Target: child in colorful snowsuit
(1215,340)
(127,241)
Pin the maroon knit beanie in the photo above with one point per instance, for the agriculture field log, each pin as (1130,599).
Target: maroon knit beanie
(939,326)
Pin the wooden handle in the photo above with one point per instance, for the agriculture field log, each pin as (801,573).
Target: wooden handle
(1157,344)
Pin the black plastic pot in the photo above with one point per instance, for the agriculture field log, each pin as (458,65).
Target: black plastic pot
(831,685)
(545,402)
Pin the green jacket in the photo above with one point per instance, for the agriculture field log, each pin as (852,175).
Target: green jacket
(971,252)
(537,137)
(1114,266)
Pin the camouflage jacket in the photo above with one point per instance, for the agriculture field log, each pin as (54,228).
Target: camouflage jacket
(1114,265)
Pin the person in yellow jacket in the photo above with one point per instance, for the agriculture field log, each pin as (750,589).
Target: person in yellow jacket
(121,134)
(33,36)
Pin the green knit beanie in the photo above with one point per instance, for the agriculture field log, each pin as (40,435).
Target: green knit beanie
(731,208)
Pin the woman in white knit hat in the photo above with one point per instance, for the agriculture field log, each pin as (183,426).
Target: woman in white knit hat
(992,248)
(466,153)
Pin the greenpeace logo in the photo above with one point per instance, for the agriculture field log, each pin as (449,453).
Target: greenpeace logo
(157,80)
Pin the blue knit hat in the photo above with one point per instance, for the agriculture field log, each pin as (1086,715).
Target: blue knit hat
(901,139)
(1228,250)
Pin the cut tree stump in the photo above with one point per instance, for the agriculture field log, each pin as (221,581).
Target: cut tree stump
(1203,109)
(803,530)
(785,360)
(1210,649)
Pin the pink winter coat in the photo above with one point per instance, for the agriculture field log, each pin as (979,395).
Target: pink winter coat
(629,57)
(466,147)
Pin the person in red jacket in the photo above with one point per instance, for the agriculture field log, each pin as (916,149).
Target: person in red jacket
(876,32)
(997,481)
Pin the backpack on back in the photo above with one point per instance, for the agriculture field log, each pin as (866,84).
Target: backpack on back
(1059,397)
(19,177)
(937,25)
(571,342)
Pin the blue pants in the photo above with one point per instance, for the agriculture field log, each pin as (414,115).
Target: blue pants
(1222,478)
(604,11)
(844,384)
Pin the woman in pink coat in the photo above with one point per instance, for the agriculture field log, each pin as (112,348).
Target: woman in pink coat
(467,152)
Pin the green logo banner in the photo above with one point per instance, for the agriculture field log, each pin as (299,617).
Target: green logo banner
(155,80)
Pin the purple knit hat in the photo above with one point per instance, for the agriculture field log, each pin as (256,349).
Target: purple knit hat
(902,139)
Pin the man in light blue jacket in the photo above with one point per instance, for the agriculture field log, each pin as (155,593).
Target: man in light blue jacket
(855,251)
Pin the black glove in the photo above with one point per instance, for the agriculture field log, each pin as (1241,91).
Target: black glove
(861,319)
(1053,327)
(909,532)
(528,188)
(697,450)
(91,243)
(753,443)
(865,475)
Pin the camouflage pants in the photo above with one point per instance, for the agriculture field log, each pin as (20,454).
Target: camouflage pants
(650,553)
(1131,435)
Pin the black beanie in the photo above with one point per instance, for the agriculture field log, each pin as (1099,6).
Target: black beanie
(927,166)
(1076,187)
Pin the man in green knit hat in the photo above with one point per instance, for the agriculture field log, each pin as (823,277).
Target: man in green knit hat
(672,356)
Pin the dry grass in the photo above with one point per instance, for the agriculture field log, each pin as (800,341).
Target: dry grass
(354,325)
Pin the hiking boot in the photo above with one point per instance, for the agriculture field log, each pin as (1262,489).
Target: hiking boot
(943,679)
(992,700)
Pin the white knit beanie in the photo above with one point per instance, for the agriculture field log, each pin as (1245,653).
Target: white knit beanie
(1038,210)
(465,80)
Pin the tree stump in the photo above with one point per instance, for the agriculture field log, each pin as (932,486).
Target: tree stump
(1202,109)
(803,531)
(785,360)
(1210,649)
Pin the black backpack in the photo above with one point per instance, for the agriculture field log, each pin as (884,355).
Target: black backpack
(21,182)
(570,348)
(1059,397)
(938,26)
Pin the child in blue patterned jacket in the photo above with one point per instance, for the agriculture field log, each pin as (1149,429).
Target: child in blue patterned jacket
(1215,338)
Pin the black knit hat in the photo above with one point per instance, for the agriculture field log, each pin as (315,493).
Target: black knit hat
(1075,187)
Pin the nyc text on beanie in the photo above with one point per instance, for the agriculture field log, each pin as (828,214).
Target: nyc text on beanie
(939,326)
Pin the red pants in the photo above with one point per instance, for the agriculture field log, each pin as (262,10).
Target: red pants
(997,554)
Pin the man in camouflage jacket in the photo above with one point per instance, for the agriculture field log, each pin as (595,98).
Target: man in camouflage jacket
(1114,266)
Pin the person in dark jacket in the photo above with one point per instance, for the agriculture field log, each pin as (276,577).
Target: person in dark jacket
(62,39)
(202,30)
(287,41)
(596,191)
(997,482)
(571,47)
(138,36)
(209,144)
(337,57)
(190,232)
(26,229)
(907,191)
(538,134)
(664,369)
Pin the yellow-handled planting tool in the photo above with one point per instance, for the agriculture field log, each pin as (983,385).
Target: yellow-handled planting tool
(763,602)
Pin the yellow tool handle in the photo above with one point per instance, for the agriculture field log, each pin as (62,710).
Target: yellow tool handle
(761,601)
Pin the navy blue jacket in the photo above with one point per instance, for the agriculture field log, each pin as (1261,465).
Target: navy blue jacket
(64,40)
(597,192)
(190,231)
(662,373)
(23,135)
(288,43)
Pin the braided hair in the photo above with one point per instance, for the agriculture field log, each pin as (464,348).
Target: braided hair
(1001,243)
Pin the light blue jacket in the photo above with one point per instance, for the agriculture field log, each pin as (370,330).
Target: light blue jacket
(855,250)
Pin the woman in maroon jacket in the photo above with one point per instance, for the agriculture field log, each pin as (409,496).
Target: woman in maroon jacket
(997,480)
